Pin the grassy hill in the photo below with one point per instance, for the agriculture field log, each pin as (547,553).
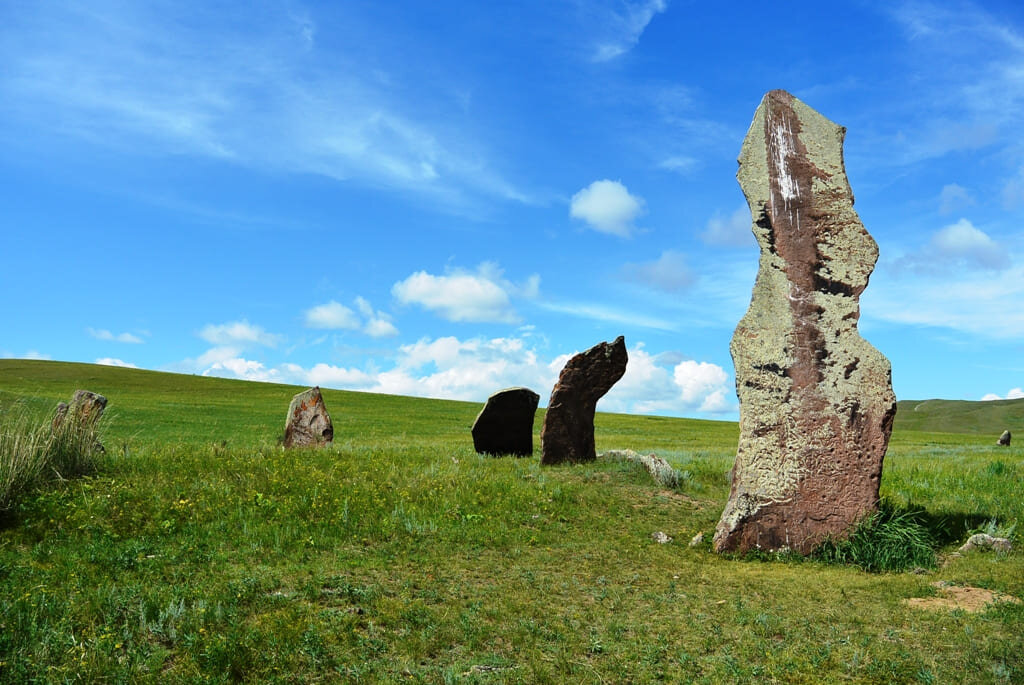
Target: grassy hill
(202,551)
(961,416)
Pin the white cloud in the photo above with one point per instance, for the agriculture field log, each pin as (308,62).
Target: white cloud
(1013,394)
(678,163)
(237,367)
(110,361)
(36,354)
(103,334)
(483,296)
(378,324)
(660,384)
(669,272)
(954,197)
(957,245)
(608,207)
(237,333)
(332,316)
(626,26)
(733,230)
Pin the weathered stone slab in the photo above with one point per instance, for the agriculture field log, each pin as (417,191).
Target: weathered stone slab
(1004,439)
(816,400)
(568,431)
(505,424)
(85,405)
(308,423)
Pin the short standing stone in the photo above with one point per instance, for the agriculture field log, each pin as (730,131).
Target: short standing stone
(505,424)
(308,424)
(816,400)
(1004,439)
(568,431)
(87,406)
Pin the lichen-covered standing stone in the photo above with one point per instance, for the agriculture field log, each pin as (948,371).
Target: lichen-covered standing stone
(86,406)
(505,424)
(816,400)
(568,431)
(308,423)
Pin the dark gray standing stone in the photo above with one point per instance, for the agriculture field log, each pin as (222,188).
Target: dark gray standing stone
(1004,439)
(505,424)
(308,423)
(816,399)
(568,431)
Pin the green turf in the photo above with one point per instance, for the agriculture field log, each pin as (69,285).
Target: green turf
(960,416)
(202,551)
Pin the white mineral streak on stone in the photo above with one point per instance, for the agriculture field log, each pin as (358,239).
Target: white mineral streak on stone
(816,401)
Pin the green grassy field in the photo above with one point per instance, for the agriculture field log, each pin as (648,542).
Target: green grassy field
(201,551)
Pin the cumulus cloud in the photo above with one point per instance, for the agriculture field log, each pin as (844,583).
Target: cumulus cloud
(954,197)
(480,296)
(238,333)
(607,207)
(1013,394)
(664,384)
(669,272)
(111,361)
(237,367)
(332,316)
(377,324)
(729,231)
(625,28)
(103,334)
(961,245)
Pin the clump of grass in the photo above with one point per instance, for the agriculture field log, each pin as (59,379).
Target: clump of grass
(33,452)
(889,539)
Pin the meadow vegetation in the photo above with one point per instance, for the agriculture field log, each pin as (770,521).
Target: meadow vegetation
(199,550)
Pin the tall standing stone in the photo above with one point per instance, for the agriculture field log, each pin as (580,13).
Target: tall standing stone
(816,400)
(505,424)
(568,431)
(308,423)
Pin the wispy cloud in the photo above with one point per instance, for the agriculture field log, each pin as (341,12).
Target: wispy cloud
(231,85)
(599,312)
(624,27)
(238,333)
(111,361)
(104,334)
(732,230)
(669,272)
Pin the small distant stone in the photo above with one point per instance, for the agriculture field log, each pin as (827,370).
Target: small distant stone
(308,423)
(660,538)
(985,541)
(697,540)
(86,407)
(505,424)
(1004,439)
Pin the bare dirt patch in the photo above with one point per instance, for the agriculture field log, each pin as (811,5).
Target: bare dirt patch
(963,597)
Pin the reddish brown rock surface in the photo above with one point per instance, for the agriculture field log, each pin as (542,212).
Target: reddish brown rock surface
(308,424)
(568,432)
(816,400)
(505,424)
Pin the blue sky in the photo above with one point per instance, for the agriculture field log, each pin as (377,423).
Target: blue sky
(447,198)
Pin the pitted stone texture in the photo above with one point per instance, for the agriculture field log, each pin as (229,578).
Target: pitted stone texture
(86,405)
(568,431)
(308,424)
(1004,439)
(816,400)
(505,424)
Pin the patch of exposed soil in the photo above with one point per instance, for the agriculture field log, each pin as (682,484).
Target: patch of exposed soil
(963,597)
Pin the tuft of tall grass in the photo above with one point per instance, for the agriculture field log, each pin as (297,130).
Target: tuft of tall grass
(33,452)
(889,539)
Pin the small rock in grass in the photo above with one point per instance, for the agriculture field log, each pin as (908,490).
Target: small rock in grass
(660,537)
(697,539)
(1004,439)
(984,541)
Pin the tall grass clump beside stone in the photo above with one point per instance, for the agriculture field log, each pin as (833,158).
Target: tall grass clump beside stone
(33,452)
(889,539)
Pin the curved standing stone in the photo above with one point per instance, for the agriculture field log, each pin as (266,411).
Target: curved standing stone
(505,424)
(816,400)
(308,423)
(1004,439)
(568,431)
